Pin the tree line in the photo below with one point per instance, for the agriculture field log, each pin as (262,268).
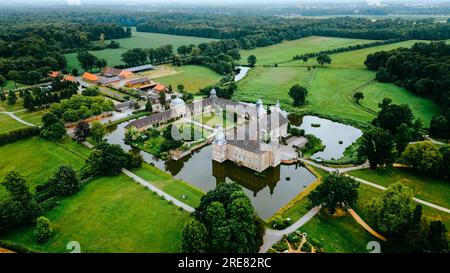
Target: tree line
(423,69)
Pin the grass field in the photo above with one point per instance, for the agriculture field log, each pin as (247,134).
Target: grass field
(423,108)
(8,124)
(285,51)
(38,159)
(168,184)
(355,58)
(137,40)
(430,189)
(330,87)
(271,84)
(343,234)
(111,214)
(193,77)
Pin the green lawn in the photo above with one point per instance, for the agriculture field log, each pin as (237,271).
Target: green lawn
(138,40)
(329,89)
(34,117)
(4,106)
(430,189)
(355,58)
(193,77)
(8,124)
(168,184)
(38,159)
(111,214)
(271,84)
(285,51)
(422,108)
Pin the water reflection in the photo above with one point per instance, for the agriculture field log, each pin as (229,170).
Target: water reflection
(336,136)
(268,191)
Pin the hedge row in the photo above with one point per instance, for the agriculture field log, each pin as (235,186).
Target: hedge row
(19,134)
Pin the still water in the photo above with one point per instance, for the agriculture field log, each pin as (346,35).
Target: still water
(268,191)
(330,132)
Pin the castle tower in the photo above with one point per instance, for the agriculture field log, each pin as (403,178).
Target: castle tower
(219,146)
(213,93)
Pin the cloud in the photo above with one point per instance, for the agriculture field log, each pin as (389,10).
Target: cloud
(73,2)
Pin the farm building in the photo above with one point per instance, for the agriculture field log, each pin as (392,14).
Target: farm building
(159,88)
(141,68)
(90,77)
(137,82)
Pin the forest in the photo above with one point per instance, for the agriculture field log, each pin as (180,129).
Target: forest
(422,69)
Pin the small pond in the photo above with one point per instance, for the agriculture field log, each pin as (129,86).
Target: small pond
(243,70)
(331,133)
(268,191)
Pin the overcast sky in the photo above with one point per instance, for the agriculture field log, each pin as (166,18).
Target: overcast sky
(206,1)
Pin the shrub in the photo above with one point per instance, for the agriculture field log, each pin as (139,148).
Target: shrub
(43,230)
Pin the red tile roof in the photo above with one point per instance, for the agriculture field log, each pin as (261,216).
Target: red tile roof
(90,77)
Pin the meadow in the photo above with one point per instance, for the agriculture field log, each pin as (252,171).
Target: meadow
(137,40)
(8,124)
(111,214)
(193,77)
(38,159)
(330,87)
(271,84)
(285,51)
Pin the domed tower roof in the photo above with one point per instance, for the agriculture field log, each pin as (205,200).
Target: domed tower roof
(213,93)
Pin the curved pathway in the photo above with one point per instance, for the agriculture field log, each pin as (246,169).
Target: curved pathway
(18,119)
(365,166)
(273,236)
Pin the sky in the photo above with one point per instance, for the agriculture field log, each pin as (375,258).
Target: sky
(209,1)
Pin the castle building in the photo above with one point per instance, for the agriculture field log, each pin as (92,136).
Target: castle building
(255,144)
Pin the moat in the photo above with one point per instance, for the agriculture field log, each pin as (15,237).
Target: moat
(268,191)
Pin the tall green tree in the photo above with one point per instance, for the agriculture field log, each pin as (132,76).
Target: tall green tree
(358,96)
(423,156)
(53,128)
(2,83)
(377,145)
(19,207)
(43,230)
(12,98)
(251,60)
(194,237)
(323,59)
(82,131)
(298,93)
(65,181)
(97,132)
(229,219)
(336,191)
(107,159)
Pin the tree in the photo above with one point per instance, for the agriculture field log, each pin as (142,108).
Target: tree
(336,191)
(91,91)
(33,77)
(65,181)
(437,237)
(19,207)
(323,59)
(180,88)
(107,159)
(2,96)
(358,96)
(298,94)
(134,57)
(43,230)
(162,98)
(423,156)
(87,60)
(391,116)
(377,145)
(97,132)
(228,217)
(148,106)
(2,83)
(75,72)
(402,138)
(391,212)
(12,98)
(52,128)
(439,127)
(251,60)
(82,131)
(194,237)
